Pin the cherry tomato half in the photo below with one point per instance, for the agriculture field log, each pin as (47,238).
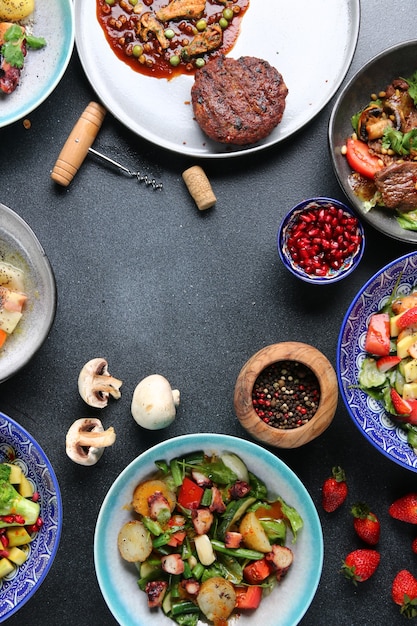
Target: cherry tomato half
(360,159)
(377,340)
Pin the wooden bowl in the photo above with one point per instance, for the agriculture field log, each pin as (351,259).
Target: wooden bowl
(286,351)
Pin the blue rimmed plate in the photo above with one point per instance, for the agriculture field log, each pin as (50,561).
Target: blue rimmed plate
(118,581)
(368,414)
(16,444)
(44,68)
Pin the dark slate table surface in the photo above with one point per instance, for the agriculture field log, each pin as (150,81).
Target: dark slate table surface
(156,286)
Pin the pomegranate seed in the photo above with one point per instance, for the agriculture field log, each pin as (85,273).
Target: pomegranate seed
(322,239)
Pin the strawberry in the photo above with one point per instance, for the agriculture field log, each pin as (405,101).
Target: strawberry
(401,406)
(414,545)
(408,318)
(404,593)
(359,565)
(366,523)
(385,363)
(334,490)
(405,508)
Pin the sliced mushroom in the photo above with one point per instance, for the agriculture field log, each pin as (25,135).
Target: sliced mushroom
(86,440)
(154,403)
(95,384)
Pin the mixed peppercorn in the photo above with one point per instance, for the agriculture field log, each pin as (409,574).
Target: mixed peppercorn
(286,394)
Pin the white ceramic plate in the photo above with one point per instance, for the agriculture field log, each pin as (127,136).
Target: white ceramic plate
(17,444)
(20,247)
(43,69)
(311,42)
(118,579)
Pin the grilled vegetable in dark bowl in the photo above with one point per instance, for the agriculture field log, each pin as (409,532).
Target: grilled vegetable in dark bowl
(372,120)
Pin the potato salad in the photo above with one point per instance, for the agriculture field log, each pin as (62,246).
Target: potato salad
(206,538)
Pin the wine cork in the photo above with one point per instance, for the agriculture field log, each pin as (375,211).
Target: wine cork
(199,187)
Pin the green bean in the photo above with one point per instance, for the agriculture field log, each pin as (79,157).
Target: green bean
(198,571)
(185,606)
(162,540)
(174,465)
(238,553)
(153,526)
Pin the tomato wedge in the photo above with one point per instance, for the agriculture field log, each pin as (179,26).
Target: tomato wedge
(190,494)
(360,159)
(378,340)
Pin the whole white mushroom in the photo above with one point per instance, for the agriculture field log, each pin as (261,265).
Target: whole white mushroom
(154,402)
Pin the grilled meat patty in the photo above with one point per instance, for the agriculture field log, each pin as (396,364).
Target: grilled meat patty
(238,101)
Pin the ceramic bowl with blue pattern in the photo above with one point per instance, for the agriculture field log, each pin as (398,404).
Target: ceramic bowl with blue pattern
(285,606)
(368,414)
(18,446)
(337,239)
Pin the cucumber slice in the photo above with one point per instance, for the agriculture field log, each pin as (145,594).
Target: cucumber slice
(234,463)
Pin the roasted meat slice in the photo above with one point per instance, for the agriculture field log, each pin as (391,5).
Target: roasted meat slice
(208,40)
(181,8)
(397,185)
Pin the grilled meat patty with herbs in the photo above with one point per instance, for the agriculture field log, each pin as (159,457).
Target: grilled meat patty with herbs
(238,101)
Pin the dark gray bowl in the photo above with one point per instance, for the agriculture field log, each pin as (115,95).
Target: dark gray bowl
(399,60)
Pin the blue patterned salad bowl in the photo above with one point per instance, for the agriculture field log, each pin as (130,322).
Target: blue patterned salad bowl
(367,413)
(17,445)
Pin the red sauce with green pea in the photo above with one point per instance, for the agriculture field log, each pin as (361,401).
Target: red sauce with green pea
(161,48)
(286,395)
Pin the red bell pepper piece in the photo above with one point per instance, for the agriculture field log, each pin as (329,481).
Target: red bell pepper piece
(190,494)
(248,597)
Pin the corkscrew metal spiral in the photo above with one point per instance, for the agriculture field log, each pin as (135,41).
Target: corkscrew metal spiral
(142,178)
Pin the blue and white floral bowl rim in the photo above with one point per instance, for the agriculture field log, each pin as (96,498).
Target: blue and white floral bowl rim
(366,413)
(19,587)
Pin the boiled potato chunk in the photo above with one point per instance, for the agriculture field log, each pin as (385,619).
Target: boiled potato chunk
(148,488)
(254,536)
(15,10)
(216,599)
(134,542)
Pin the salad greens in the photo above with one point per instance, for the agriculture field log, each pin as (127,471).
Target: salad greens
(386,376)
(209,520)
(11,50)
